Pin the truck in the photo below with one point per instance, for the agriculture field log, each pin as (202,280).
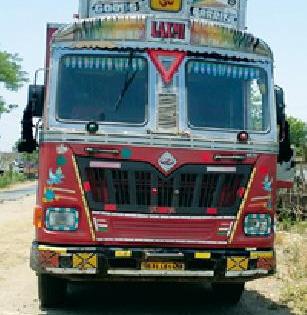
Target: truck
(160,134)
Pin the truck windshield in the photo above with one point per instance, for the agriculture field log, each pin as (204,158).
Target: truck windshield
(110,89)
(227,96)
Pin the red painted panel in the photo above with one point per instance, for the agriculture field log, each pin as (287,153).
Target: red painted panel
(68,194)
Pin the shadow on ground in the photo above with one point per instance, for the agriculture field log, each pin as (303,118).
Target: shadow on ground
(158,299)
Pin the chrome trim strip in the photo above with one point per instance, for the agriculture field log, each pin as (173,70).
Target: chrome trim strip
(153,273)
(246,273)
(151,216)
(230,157)
(156,140)
(150,240)
(163,255)
(71,271)
(221,169)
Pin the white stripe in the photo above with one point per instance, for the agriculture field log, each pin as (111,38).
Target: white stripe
(150,240)
(153,273)
(221,169)
(94,164)
(262,198)
(151,216)
(71,271)
(246,273)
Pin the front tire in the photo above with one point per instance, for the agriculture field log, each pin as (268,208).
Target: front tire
(51,291)
(229,293)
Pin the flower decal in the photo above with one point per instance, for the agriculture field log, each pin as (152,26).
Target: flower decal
(267,183)
(56,177)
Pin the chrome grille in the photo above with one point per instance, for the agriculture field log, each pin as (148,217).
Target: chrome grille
(167,112)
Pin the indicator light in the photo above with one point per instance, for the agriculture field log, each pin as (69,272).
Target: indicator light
(38,217)
(243,137)
(92,127)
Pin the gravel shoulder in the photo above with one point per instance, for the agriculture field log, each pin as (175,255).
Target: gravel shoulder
(18,292)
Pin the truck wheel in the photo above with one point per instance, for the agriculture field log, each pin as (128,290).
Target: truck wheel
(51,291)
(229,293)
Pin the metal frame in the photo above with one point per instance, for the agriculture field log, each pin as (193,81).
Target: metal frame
(70,125)
(184,11)
(246,64)
(213,138)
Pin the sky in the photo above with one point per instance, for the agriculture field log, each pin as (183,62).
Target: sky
(282,24)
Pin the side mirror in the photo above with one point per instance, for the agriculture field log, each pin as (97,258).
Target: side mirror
(34,108)
(36,98)
(280,105)
(285,150)
(27,143)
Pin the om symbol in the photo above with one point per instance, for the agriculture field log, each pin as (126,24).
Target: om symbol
(165,3)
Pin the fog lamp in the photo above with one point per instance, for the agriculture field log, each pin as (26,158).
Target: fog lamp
(258,225)
(62,219)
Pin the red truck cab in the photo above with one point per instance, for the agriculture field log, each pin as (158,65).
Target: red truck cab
(158,149)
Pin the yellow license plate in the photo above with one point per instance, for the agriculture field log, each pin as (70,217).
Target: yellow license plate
(169,266)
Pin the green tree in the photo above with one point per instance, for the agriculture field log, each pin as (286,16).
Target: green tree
(298,133)
(12,76)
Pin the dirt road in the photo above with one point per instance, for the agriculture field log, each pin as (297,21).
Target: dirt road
(18,292)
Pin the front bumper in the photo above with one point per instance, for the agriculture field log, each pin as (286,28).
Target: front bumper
(111,264)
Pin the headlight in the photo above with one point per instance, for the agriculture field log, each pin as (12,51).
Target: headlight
(62,219)
(258,225)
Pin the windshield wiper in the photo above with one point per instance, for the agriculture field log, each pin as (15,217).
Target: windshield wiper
(128,81)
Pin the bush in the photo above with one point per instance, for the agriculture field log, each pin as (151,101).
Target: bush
(10,178)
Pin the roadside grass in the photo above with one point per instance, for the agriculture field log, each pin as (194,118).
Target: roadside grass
(291,244)
(10,178)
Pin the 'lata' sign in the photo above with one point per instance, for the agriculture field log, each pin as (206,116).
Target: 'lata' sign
(168,30)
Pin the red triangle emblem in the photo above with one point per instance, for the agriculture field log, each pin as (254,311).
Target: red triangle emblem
(167,71)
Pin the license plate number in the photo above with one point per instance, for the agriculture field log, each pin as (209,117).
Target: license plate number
(170,266)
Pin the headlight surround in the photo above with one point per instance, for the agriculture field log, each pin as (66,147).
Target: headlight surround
(62,219)
(258,225)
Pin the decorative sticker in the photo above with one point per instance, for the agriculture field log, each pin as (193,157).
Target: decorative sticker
(49,259)
(237,264)
(56,177)
(61,149)
(266,263)
(225,229)
(98,7)
(84,261)
(117,28)
(61,160)
(52,194)
(101,225)
(267,183)
(176,58)
(221,11)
